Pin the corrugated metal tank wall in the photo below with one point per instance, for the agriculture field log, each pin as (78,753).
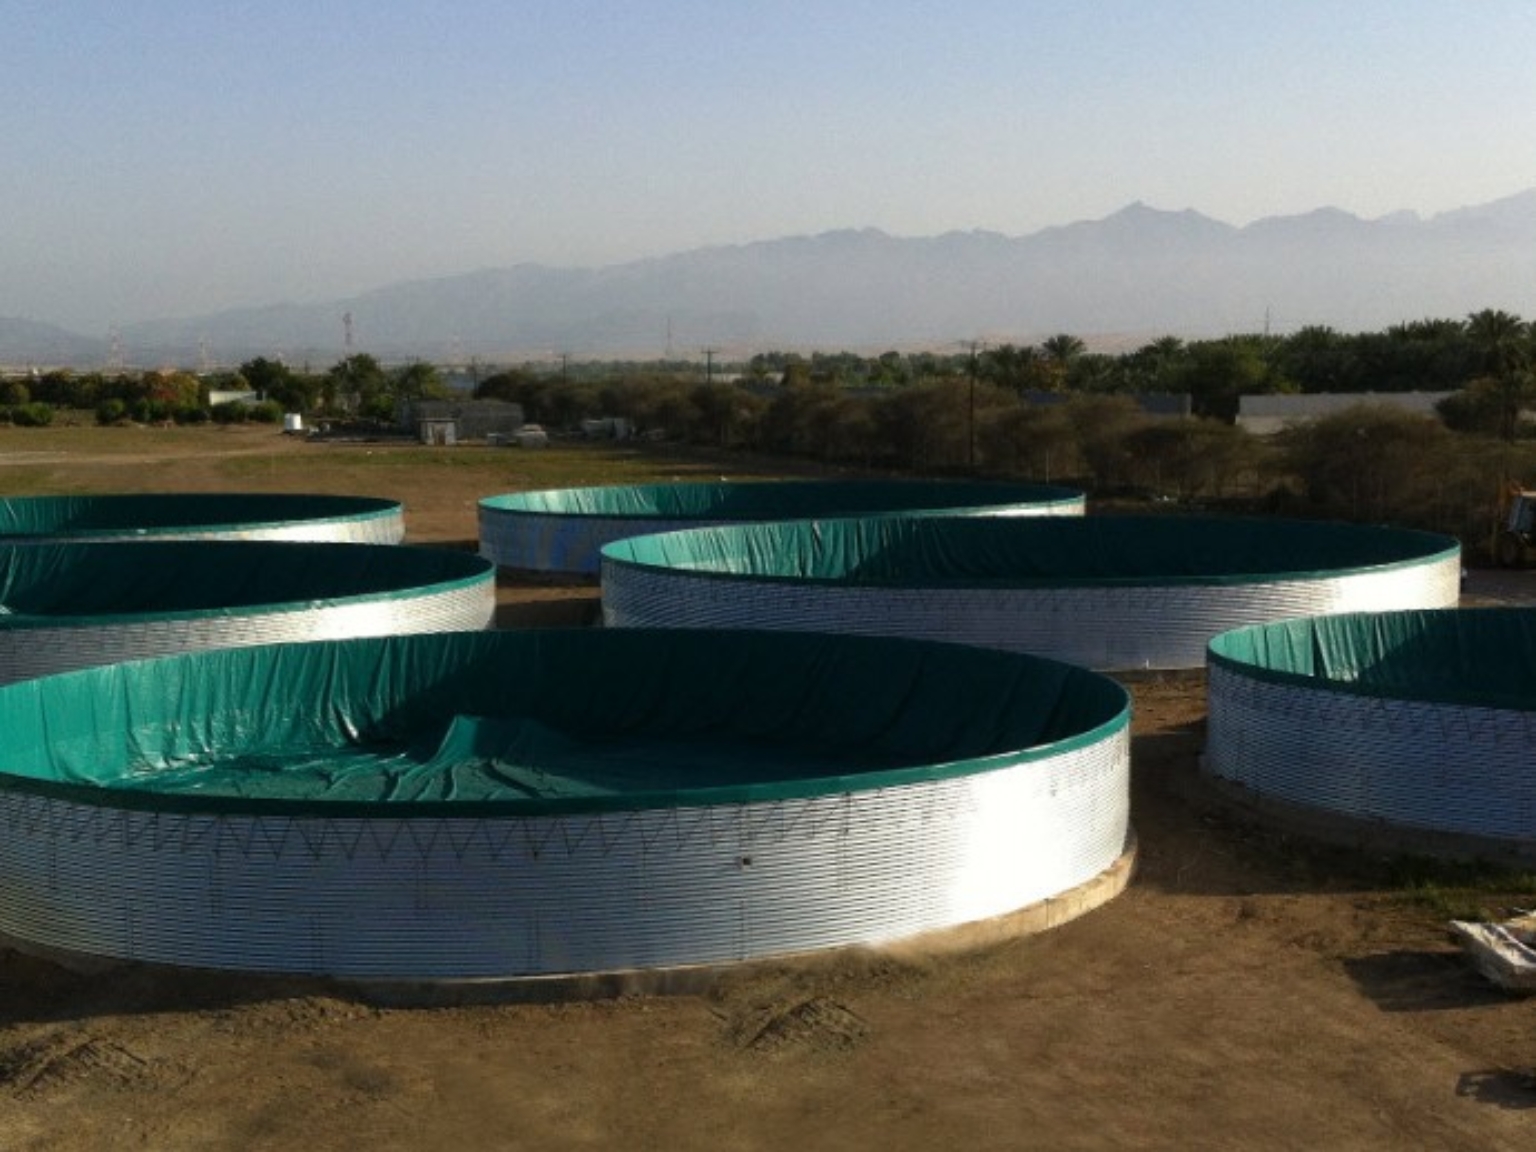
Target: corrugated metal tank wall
(93,860)
(537,532)
(445,898)
(1140,621)
(158,599)
(1422,720)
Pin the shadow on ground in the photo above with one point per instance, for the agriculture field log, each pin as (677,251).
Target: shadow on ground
(1406,980)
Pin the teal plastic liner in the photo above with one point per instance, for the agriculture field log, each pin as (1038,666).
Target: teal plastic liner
(1473,656)
(1035,551)
(541,721)
(92,583)
(135,515)
(777,500)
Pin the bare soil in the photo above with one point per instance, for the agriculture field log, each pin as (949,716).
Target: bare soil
(1249,990)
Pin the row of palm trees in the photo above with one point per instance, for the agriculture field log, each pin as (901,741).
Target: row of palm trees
(1431,355)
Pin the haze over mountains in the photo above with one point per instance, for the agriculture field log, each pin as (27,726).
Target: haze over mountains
(1134,275)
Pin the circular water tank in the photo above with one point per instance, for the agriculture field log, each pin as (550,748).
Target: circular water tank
(554,803)
(1418,721)
(202,516)
(66,606)
(563,530)
(1108,592)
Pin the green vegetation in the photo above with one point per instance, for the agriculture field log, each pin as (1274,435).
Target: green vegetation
(1053,412)
(1461,890)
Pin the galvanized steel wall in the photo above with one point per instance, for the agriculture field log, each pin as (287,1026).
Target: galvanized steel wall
(442,898)
(37,650)
(385,529)
(548,542)
(172,516)
(1444,767)
(388,528)
(1105,627)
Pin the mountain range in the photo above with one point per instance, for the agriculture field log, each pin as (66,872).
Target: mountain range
(1137,274)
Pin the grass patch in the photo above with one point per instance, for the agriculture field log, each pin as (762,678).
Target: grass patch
(1461,890)
(87,458)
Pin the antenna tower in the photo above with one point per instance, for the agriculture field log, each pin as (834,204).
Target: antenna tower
(346,331)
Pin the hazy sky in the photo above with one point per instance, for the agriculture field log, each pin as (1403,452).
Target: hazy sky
(175,157)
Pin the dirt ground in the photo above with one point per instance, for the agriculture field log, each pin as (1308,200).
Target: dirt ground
(1249,990)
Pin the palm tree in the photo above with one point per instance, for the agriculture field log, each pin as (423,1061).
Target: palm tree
(1502,342)
(1063,348)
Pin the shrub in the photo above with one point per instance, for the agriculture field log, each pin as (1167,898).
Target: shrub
(34,415)
(237,412)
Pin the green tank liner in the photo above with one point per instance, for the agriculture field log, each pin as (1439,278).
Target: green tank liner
(549,802)
(563,530)
(68,605)
(1108,592)
(1417,720)
(202,516)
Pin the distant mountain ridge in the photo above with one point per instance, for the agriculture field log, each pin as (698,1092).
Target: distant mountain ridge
(1141,272)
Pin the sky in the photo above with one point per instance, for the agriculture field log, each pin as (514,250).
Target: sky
(163,158)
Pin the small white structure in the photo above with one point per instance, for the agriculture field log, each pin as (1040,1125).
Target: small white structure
(1267,415)
(608,428)
(218,396)
(531,436)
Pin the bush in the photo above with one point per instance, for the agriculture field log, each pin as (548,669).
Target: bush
(35,415)
(267,412)
(145,411)
(237,412)
(110,412)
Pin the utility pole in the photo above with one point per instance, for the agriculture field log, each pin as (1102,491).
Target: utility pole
(709,365)
(975,366)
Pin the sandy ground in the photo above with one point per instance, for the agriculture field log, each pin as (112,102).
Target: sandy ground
(1249,990)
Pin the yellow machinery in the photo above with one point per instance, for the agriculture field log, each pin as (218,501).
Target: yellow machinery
(1515,532)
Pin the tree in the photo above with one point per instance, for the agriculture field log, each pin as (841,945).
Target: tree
(1371,462)
(170,391)
(1217,372)
(275,381)
(1037,441)
(419,380)
(1318,359)
(1060,353)
(512,384)
(1477,408)
(1154,367)
(1502,341)
(1103,425)
(1189,457)
(359,384)
(1019,369)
